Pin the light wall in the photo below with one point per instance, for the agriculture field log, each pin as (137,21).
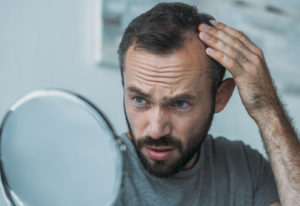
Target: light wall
(50,43)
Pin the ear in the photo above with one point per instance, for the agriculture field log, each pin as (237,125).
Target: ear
(223,94)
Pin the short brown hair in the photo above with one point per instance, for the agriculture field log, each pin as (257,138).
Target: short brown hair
(163,29)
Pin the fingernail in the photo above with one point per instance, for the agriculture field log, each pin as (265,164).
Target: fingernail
(211,50)
(204,26)
(206,35)
(213,22)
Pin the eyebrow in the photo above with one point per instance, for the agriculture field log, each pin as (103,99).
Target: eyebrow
(179,97)
(139,92)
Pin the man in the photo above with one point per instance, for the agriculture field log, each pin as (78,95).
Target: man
(173,61)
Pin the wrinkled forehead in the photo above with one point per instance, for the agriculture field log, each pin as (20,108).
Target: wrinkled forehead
(185,69)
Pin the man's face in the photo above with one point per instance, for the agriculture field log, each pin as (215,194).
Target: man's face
(168,106)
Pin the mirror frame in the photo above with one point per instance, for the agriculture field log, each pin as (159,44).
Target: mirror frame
(4,186)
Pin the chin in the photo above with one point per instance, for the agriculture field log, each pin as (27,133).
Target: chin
(161,168)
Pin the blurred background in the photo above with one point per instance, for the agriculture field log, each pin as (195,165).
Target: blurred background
(72,44)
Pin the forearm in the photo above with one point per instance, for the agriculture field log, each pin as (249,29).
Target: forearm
(283,149)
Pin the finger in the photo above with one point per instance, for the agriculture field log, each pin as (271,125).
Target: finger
(231,40)
(229,63)
(238,34)
(224,48)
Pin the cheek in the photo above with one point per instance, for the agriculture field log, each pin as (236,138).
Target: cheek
(184,125)
(187,125)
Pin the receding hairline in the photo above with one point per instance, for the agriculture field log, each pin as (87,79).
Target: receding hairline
(187,38)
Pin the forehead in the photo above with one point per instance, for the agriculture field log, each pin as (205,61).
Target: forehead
(184,70)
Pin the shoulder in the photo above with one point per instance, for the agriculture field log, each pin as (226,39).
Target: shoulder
(240,166)
(235,154)
(240,159)
(236,148)
(224,143)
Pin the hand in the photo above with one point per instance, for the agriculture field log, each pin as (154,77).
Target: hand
(246,62)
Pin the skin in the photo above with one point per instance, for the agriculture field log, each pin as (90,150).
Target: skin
(246,62)
(162,81)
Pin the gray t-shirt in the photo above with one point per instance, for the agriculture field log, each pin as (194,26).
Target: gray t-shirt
(227,173)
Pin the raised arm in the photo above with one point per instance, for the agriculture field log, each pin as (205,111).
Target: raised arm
(246,62)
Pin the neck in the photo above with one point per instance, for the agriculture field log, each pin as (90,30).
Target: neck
(192,162)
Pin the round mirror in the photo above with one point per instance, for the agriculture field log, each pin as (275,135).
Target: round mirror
(57,149)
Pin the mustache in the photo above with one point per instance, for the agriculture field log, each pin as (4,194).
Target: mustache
(167,141)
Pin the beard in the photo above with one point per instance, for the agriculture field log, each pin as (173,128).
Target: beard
(169,167)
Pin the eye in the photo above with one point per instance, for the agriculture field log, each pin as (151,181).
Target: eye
(139,100)
(181,104)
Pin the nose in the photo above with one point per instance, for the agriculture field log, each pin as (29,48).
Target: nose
(158,124)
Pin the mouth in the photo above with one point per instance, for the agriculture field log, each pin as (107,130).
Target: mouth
(159,153)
